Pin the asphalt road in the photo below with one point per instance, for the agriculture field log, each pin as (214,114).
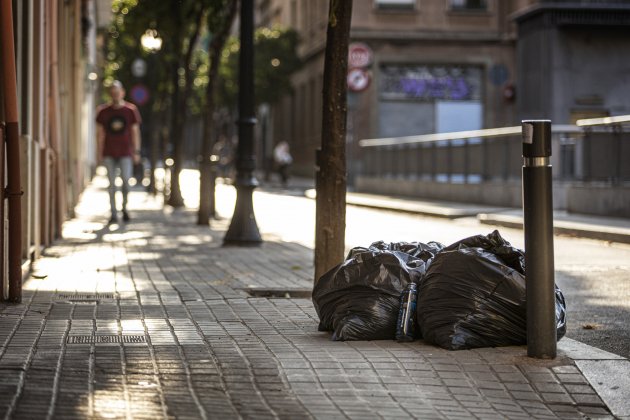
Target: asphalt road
(594,275)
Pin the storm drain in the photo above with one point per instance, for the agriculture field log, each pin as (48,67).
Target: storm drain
(106,339)
(85,297)
(278,293)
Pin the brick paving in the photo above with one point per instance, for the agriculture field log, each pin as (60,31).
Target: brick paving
(152,320)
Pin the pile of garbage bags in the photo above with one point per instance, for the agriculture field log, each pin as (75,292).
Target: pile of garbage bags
(470,294)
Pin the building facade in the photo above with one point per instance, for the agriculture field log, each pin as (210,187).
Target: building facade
(417,63)
(56,84)
(434,66)
(571,58)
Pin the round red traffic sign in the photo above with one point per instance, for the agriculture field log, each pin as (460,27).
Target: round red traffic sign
(359,55)
(139,94)
(358,80)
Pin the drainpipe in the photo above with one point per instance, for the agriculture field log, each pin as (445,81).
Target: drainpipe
(13,191)
(3,130)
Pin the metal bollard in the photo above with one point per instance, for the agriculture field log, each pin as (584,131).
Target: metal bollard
(538,227)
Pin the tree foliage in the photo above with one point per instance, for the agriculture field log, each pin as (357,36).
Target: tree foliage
(174,21)
(275,59)
(178,74)
(275,50)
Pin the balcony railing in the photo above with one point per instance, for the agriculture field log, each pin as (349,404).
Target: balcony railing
(593,150)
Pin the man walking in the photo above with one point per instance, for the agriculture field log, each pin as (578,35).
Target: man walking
(118,143)
(283,159)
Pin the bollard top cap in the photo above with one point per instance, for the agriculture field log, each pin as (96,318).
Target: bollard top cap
(536,138)
(536,121)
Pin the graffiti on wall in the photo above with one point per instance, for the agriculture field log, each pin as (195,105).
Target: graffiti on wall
(430,82)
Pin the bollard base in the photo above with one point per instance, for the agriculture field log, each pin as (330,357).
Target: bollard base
(243,230)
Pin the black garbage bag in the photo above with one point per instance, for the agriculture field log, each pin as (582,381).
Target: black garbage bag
(359,298)
(473,295)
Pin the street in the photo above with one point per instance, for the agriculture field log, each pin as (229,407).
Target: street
(594,275)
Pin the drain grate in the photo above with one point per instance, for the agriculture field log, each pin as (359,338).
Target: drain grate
(106,339)
(278,293)
(86,298)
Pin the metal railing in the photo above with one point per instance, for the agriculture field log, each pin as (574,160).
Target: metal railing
(593,150)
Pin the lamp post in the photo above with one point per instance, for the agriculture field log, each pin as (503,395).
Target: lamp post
(243,230)
(152,43)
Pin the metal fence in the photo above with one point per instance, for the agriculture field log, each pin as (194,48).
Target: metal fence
(593,150)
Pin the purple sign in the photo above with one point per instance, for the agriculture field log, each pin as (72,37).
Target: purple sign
(428,83)
(442,88)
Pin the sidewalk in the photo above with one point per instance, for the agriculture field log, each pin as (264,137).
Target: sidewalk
(155,319)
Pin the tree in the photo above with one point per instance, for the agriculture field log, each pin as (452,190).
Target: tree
(186,81)
(179,24)
(275,60)
(190,20)
(220,20)
(330,219)
(131,19)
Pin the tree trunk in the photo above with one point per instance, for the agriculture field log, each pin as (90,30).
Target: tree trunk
(175,196)
(175,199)
(157,126)
(207,180)
(330,180)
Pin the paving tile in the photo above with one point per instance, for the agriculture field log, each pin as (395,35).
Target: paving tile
(579,389)
(551,398)
(548,387)
(525,396)
(588,399)
(566,369)
(572,378)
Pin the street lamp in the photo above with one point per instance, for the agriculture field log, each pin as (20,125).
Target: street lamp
(243,230)
(151,41)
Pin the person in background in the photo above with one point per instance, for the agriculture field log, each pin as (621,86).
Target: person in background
(118,143)
(283,159)
(223,149)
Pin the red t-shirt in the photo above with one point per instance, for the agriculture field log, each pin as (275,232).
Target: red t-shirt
(117,123)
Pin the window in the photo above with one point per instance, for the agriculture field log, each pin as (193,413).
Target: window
(305,17)
(465,5)
(293,13)
(429,98)
(394,4)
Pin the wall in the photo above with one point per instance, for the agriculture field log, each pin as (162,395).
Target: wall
(602,200)
(570,62)
(591,74)
(428,34)
(53,50)
(501,194)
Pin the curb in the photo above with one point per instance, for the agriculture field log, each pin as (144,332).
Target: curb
(423,208)
(560,227)
(490,216)
(607,373)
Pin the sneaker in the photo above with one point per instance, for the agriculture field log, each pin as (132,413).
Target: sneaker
(125,216)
